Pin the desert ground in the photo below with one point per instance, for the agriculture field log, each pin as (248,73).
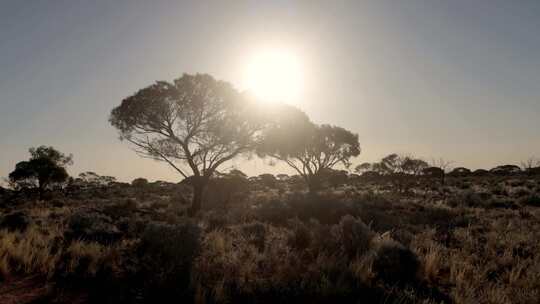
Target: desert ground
(265,239)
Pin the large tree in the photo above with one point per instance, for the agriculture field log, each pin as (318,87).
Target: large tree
(45,168)
(308,148)
(195,124)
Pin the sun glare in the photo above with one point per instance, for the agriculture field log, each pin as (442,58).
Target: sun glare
(274,76)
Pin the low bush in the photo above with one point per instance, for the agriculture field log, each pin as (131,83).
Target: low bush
(354,235)
(256,234)
(16,221)
(301,237)
(121,209)
(531,200)
(92,227)
(166,256)
(394,263)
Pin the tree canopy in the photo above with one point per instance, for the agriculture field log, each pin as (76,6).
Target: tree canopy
(45,168)
(394,164)
(195,124)
(307,147)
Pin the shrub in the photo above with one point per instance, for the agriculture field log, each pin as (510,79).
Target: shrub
(521,192)
(92,227)
(139,183)
(501,203)
(58,203)
(531,200)
(166,254)
(301,237)
(16,221)
(121,209)
(354,235)
(256,234)
(324,208)
(324,240)
(394,263)
(275,212)
(499,190)
(468,199)
(215,220)
(131,226)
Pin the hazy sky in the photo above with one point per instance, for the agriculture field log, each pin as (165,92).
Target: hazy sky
(457,79)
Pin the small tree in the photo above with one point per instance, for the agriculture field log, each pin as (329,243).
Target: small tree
(93,179)
(306,147)
(391,164)
(531,165)
(460,172)
(194,124)
(398,169)
(413,166)
(363,168)
(139,183)
(506,170)
(45,169)
(443,165)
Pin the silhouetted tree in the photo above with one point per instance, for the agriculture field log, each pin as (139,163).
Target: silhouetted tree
(433,172)
(394,164)
(506,170)
(334,177)
(390,164)
(194,124)
(443,165)
(93,179)
(460,171)
(398,169)
(306,147)
(268,180)
(46,168)
(480,172)
(363,167)
(282,177)
(531,166)
(534,171)
(139,182)
(224,188)
(413,166)
(237,174)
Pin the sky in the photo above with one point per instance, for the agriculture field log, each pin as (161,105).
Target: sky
(453,79)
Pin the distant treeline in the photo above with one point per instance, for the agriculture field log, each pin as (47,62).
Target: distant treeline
(196,124)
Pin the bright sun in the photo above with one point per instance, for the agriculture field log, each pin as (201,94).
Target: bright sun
(274,76)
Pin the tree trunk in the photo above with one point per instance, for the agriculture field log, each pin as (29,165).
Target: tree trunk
(443,175)
(41,190)
(199,183)
(314,184)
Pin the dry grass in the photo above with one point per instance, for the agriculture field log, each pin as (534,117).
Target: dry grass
(284,246)
(29,252)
